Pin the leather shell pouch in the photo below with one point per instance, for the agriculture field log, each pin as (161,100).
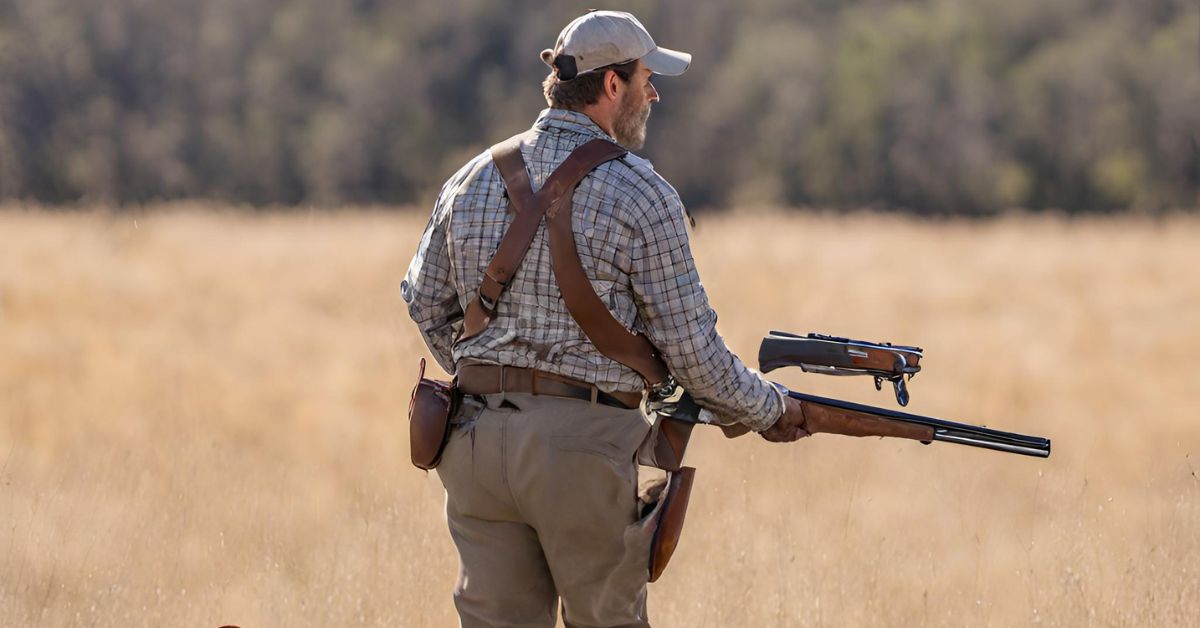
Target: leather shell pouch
(433,403)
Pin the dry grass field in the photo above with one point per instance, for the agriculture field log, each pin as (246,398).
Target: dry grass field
(202,423)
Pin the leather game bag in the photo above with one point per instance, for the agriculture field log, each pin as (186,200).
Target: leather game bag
(429,413)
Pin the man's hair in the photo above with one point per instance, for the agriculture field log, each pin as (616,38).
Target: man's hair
(583,90)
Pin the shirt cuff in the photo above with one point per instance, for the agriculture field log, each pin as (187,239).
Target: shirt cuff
(774,411)
(768,413)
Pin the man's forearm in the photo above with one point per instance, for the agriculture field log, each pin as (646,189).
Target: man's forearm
(719,381)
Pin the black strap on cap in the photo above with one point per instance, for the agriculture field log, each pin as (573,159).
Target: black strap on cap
(565,68)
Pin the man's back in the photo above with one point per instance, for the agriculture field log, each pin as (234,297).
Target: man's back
(533,328)
(630,230)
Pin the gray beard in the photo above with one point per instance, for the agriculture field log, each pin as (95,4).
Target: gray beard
(629,127)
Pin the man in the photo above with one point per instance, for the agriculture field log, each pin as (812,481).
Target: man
(541,489)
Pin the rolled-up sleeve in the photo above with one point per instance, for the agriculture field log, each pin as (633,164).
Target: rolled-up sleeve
(428,288)
(678,320)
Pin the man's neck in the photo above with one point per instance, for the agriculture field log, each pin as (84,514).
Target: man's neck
(601,116)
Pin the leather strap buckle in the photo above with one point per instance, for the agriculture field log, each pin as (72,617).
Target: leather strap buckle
(489,305)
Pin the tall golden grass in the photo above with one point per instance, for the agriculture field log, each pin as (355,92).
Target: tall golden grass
(202,422)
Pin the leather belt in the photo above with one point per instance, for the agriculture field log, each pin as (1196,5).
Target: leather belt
(486,379)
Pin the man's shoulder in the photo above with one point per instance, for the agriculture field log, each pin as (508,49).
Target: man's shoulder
(635,176)
(471,170)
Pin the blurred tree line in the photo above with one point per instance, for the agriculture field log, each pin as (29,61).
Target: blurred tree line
(930,106)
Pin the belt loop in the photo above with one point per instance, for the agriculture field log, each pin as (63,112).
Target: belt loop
(533,377)
(595,394)
(503,387)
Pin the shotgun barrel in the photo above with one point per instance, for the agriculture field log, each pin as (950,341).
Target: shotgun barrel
(836,414)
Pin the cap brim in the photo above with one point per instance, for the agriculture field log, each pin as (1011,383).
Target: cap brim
(667,62)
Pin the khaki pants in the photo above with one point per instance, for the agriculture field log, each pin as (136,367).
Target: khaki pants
(541,500)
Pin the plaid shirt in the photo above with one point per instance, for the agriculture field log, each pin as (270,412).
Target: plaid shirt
(631,234)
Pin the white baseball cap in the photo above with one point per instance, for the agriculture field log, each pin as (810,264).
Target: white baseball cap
(601,38)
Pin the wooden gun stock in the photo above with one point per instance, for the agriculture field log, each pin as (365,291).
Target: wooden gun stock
(822,419)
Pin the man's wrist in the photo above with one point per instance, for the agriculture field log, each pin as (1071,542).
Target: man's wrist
(775,415)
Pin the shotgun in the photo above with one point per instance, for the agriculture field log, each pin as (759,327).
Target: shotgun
(816,353)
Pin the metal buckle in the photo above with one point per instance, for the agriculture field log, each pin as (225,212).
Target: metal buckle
(489,306)
(662,390)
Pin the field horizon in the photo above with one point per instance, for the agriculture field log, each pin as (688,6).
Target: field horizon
(202,422)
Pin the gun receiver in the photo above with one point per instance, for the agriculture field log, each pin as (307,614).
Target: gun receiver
(831,355)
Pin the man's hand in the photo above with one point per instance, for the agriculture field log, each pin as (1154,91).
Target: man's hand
(790,426)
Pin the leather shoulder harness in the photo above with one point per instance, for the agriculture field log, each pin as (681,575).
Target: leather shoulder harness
(554,200)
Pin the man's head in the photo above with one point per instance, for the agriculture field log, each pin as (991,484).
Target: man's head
(601,66)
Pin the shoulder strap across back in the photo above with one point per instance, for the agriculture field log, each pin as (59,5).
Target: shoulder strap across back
(608,335)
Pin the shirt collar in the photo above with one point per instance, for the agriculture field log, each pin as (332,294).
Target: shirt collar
(571,121)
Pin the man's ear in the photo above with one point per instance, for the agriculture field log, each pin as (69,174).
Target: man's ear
(610,84)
